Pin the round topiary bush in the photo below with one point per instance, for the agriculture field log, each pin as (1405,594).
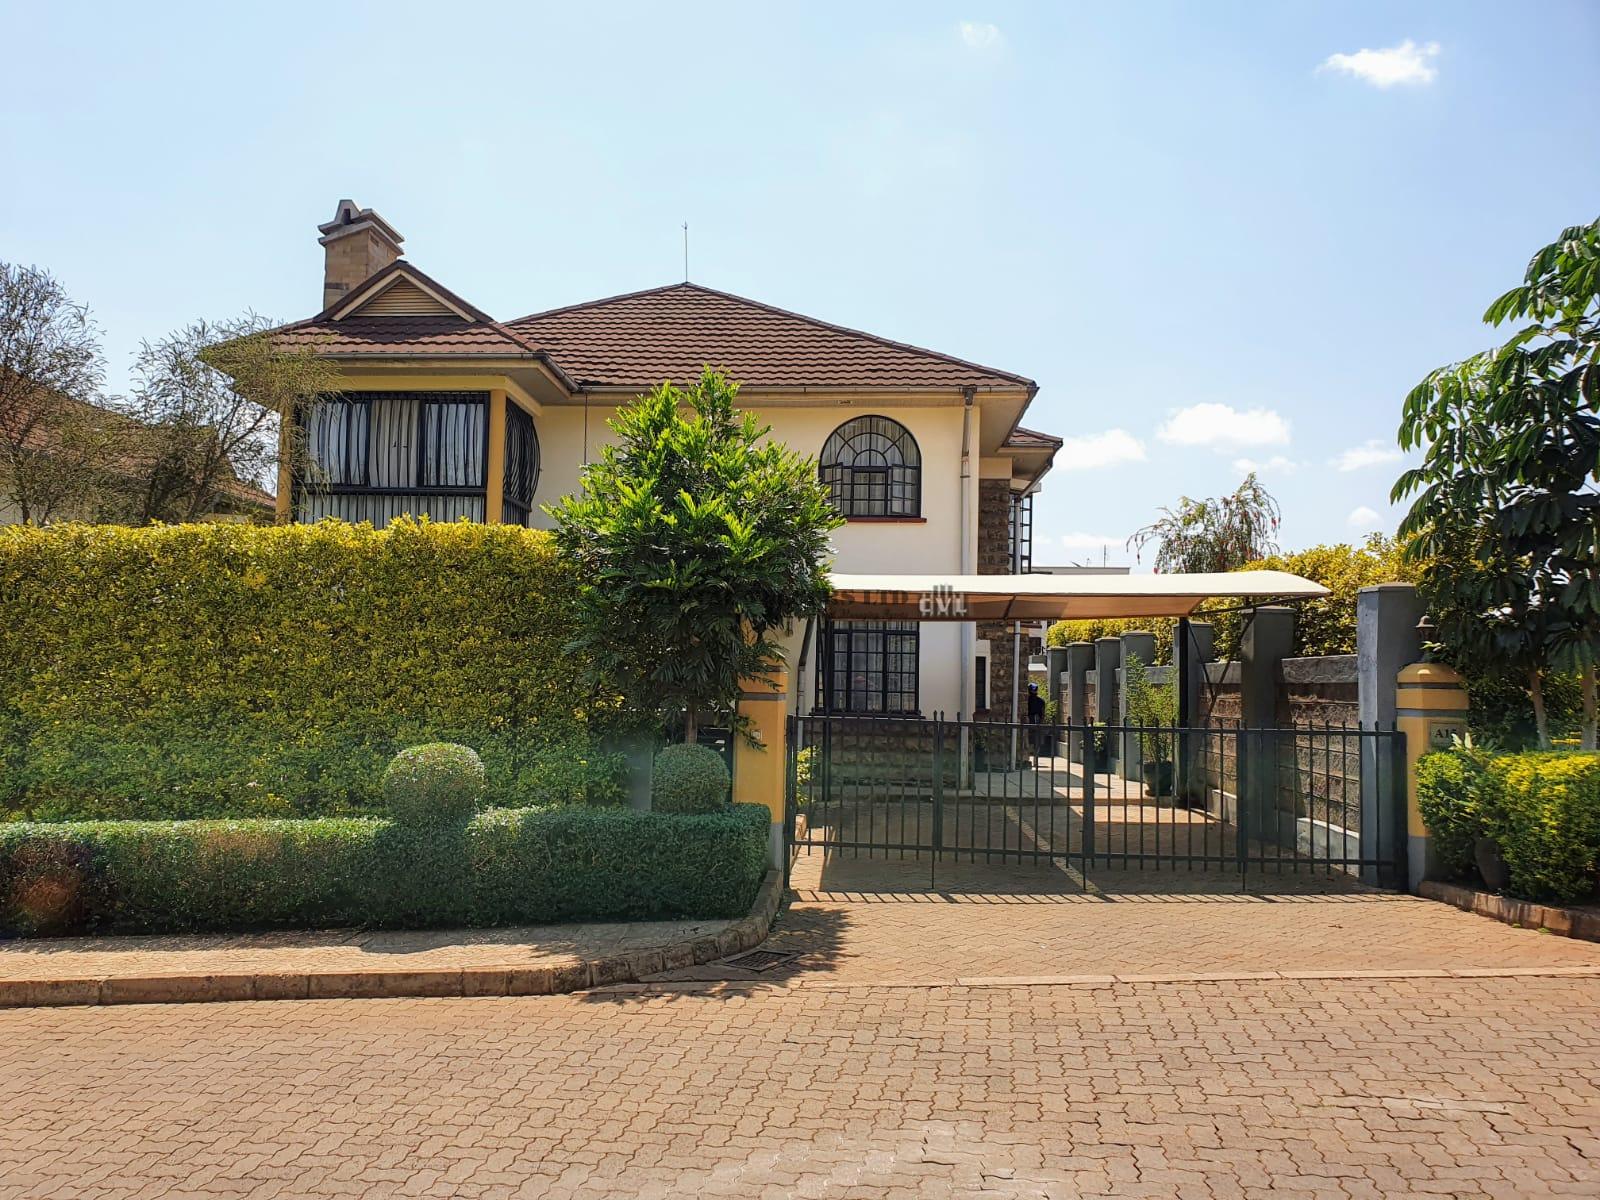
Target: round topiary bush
(689,779)
(438,783)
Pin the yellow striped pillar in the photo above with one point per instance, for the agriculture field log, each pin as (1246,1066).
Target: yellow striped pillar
(760,772)
(1431,710)
(494,482)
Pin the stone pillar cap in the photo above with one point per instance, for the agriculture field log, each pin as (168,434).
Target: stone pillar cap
(1435,673)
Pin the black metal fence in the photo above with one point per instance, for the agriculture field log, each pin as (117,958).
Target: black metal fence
(1323,801)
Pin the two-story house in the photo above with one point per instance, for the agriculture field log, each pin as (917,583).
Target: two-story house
(449,413)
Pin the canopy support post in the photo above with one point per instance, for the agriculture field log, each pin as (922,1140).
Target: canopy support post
(1016,686)
(1183,672)
(1184,715)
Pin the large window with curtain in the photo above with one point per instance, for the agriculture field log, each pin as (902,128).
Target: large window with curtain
(872,468)
(375,456)
(868,667)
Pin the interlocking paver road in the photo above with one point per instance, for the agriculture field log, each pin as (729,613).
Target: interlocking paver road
(867,1072)
(1340,1089)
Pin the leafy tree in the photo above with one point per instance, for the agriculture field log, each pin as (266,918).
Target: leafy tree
(696,540)
(51,435)
(1505,513)
(1220,534)
(210,399)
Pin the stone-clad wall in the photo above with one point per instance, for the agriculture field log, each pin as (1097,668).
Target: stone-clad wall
(994,558)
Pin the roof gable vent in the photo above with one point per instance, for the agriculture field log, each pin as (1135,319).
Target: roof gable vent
(404,299)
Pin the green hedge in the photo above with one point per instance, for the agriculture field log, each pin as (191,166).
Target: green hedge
(1543,808)
(504,867)
(229,670)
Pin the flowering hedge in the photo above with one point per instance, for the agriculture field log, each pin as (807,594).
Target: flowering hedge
(234,670)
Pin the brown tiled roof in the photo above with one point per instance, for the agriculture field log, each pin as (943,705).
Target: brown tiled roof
(642,338)
(1028,439)
(401,335)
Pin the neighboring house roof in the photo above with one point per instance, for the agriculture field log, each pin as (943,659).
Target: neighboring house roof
(43,437)
(641,338)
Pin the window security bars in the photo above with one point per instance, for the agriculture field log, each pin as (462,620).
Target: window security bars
(522,465)
(873,468)
(868,666)
(374,456)
(1021,533)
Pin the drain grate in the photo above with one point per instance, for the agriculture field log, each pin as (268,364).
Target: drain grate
(760,960)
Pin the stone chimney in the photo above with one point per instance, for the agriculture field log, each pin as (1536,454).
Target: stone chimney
(359,244)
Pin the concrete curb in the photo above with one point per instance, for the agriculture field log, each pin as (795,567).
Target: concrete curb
(1567,922)
(1157,979)
(744,934)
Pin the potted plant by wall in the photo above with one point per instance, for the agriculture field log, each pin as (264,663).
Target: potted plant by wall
(1099,749)
(1155,708)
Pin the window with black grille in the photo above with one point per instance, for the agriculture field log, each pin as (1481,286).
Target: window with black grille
(522,465)
(1021,538)
(872,468)
(869,667)
(374,456)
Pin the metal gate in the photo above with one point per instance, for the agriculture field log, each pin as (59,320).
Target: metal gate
(1314,801)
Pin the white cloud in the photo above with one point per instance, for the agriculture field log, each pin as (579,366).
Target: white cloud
(1223,427)
(980,35)
(1373,453)
(1276,465)
(1095,450)
(1365,519)
(1407,63)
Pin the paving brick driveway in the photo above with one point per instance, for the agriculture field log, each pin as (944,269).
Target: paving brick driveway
(867,1073)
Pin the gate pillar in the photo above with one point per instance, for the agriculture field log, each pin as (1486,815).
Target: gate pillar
(1431,710)
(1075,711)
(759,771)
(1107,660)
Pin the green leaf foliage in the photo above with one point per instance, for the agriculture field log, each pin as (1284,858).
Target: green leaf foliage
(507,866)
(695,539)
(1450,794)
(1504,519)
(436,783)
(689,779)
(229,670)
(1219,534)
(1543,809)
(1153,705)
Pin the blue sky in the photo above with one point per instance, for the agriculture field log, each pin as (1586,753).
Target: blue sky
(1212,232)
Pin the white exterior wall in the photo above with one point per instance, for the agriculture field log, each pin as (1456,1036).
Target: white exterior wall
(930,545)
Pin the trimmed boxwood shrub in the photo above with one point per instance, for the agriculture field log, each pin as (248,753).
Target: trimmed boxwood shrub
(504,866)
(689,779)
(222,670)
(438,783)
(1548,822)
(1542,807)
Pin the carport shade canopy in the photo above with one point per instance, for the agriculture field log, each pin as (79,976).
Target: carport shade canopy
(1054,597)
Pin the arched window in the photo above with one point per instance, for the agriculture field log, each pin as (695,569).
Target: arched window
(873,468)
